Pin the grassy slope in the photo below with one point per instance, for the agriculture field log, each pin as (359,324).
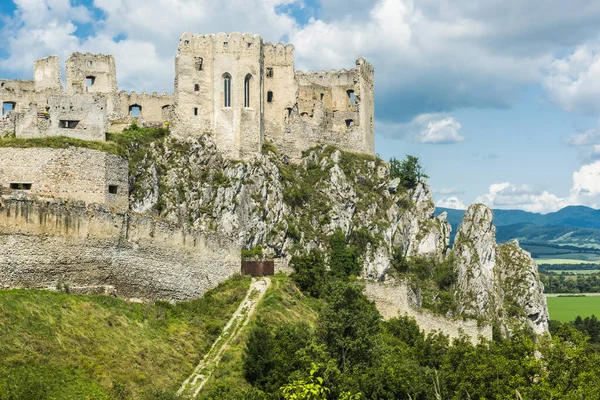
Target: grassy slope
(565,309)
(282,303)
(63,346)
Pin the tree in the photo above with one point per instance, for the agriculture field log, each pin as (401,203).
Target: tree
(348,325)
(310,273)
(409,171)
(259,358)
(343,259)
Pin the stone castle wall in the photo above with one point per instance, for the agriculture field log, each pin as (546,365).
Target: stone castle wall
(393,300)
(245,92)
(73,174)
(50,243)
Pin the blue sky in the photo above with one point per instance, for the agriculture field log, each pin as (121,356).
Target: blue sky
(499,99)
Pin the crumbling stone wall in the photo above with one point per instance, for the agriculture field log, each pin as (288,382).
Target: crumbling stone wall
(51,243)
(393,300)
(73,174)
(81,116)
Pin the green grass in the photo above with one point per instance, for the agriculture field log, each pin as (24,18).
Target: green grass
(132,138)
(60,142)
(554,261)
(570,257)
(282,303)
(61,346)
(566,309)
(579,272)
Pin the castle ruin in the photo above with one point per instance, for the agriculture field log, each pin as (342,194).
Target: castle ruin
(234,86)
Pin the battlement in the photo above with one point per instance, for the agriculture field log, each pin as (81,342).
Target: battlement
(233,42)
(342,77)
(278,54)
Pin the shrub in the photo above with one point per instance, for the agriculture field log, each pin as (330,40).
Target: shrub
(310,274)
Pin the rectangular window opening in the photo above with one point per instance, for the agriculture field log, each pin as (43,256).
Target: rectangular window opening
(349,123)
(113,189)
(66,124)
(225,45)
(20,186)
(269,72)
(89,81)
(196,111)
(269,97)
(89,63)
(351,97)
(196,87)
(198,62)
(7,107)
(135,110)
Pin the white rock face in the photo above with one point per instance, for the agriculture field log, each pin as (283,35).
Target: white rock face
(521,287)
(475,254)
(496,283)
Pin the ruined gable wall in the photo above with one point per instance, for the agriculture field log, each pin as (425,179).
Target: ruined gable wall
(73,173)
(102,67)
(22,94)
(156,110)
(324,110)
(284,87)
(89,109)
(46,75)
(47,242)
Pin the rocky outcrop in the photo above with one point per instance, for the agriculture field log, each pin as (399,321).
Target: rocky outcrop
(288,208)
(522,291)
(475,254)
(496,283)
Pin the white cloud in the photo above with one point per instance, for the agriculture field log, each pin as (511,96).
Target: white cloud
(584,191)
(451,202)
(429,56)
(434,128)
(574,82)
(449,191)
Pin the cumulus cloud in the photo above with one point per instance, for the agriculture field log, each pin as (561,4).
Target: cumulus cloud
(574,82)
(585,190)
(434,128)
(451,202)
(438,130)
(430,56)
(449,191)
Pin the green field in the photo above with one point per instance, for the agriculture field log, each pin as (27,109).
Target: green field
(553,261)
(565,309)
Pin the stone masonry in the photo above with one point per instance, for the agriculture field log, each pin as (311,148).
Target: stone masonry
(243,91)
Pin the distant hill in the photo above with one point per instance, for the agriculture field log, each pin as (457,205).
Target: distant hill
(573,225)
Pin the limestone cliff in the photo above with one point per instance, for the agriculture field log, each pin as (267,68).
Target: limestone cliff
(496,283)
(288,207)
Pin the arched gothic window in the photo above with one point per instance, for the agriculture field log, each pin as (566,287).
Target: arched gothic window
(247,90)
(226,90)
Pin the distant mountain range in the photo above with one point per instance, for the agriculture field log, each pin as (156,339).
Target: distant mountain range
(573,225)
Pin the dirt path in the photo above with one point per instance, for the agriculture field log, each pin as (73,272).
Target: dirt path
(192,386)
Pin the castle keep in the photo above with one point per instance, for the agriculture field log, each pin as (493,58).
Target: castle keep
(234,86)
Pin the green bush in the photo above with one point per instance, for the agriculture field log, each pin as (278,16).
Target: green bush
(409,171)
(310,274)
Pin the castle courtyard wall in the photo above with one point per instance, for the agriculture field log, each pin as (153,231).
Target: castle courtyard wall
(394,300)
(74,173)
(54,243)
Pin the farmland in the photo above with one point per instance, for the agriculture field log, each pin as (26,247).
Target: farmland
(566,309)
